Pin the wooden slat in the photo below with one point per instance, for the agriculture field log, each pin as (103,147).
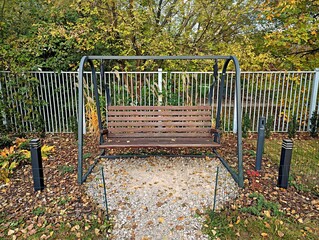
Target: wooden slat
(158,129)
(157,124)
(134,108)
(159,113)
(150,135)
(142,118)
(159,142)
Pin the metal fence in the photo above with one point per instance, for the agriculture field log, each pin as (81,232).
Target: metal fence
(281,95)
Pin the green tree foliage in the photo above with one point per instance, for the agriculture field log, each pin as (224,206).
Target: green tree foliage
(54,35)
(290,33)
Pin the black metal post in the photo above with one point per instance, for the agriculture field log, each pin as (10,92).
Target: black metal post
(285,160)
(36,161)
(260,142)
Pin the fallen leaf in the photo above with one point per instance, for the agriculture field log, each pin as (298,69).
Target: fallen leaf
(267,213)
(267,225)
(10,232)
(179,227)
(264,234)
(280,234)
(97,231)
(161,220)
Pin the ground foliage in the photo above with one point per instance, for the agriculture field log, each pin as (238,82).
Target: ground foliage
(63,210)
(263,210)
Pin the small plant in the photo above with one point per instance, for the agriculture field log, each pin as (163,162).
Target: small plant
(246,125)
(23,144)
(5,141)
(65,169)
(314,124)
(262,207)
(73,125)
(269,126)
(63,201)
(292,127)
(38,211)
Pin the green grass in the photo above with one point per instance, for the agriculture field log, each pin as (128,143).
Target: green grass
(262,219)
(92,229)
(63,169)
(304,164)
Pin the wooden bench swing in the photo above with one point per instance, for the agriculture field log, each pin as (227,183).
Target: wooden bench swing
(160,126)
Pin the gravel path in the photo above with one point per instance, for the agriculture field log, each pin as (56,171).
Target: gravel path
(160,197)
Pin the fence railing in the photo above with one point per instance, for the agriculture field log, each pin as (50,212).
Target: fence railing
(281,95)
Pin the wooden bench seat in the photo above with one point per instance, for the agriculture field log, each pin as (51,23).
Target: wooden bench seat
(159,126)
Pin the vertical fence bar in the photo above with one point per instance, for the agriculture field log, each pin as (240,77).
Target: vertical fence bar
(160,86)
(314,94)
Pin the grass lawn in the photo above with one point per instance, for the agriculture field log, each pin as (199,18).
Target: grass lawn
(304,164)
(265,211)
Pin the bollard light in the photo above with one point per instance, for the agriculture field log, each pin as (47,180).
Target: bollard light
(285,160)
(36,161)
(260,142)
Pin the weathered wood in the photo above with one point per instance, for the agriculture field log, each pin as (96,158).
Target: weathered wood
(147,129)
(159,118)
(159,113)
(159,142)
(159,126)
(159,134)
(180,108)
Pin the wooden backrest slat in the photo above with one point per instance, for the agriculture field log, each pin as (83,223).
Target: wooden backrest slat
(159,121)
(158,129)
(134,108)
(159,135)
(159,113)
(159,118)
(157,124)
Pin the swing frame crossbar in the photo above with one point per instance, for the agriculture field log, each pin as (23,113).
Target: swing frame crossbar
(237,175)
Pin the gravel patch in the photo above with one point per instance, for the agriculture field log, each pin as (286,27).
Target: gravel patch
(160,197)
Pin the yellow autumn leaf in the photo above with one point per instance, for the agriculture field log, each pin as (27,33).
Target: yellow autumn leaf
(26,153)
(13,165)
(47,149)
(5,164)
(264,235)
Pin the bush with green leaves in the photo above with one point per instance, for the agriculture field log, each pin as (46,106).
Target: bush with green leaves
(314,124)
(269,126)
(246,125)
(292,127)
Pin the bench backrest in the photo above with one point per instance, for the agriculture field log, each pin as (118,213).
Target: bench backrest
(159,121)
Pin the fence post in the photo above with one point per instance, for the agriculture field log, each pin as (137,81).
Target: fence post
(160,83)
(314,94)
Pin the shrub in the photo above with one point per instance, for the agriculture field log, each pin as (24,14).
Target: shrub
(292,127)
(269,126)
(5,141)
(314,124)
(246,125)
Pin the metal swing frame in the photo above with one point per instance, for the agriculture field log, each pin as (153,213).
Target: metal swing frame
(237,176)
